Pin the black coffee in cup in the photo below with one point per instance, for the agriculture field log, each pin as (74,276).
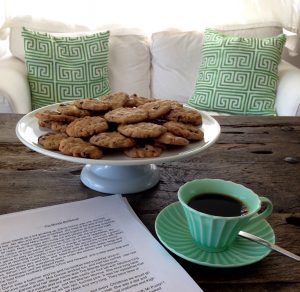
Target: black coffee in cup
(218,205)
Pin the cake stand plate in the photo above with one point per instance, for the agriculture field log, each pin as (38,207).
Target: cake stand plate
(115,172)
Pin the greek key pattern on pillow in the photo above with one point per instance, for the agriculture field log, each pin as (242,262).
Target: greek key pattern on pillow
(65,68)
(238,75)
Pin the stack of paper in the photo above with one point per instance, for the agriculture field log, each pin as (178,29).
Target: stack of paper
(97,244)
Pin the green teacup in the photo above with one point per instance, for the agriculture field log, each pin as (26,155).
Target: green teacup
(213,232)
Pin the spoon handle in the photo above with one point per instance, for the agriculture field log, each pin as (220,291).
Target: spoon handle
(269,245)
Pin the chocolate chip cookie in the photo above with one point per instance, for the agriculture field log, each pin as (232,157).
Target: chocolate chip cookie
(112,140)
(142,130)
(187,131)
(145,151)
(51,140)
(79,148)
(87,126)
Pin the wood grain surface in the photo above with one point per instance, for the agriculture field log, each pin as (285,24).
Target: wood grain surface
(262,153)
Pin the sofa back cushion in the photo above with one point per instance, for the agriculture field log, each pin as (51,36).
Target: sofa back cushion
(129,64)
(176,57)
(129,58)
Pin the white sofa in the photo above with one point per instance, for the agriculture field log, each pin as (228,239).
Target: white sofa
(164,65)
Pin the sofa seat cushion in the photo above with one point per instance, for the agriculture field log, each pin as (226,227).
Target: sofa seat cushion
(238,75)
(66,68)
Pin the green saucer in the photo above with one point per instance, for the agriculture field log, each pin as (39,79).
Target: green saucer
(172,230)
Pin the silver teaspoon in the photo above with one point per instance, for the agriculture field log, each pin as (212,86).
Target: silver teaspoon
(269,245)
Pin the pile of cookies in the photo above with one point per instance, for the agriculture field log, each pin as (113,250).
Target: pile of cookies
(138,126)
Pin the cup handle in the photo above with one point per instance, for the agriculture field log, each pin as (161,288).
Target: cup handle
(265,213)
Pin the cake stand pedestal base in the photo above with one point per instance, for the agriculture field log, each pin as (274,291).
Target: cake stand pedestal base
(120,179)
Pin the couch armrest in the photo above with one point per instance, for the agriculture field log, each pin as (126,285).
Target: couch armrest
(288,90)
(14,85)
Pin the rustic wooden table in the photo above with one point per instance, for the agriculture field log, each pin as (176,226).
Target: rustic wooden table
(263,153)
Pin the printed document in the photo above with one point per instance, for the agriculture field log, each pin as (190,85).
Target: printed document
(97,244)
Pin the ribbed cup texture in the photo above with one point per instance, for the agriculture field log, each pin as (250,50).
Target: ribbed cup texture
(213,233)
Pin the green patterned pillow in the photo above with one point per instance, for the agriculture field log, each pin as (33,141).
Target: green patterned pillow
(65,68)
(238,75)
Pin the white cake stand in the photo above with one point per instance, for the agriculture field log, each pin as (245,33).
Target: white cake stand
(116,173)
